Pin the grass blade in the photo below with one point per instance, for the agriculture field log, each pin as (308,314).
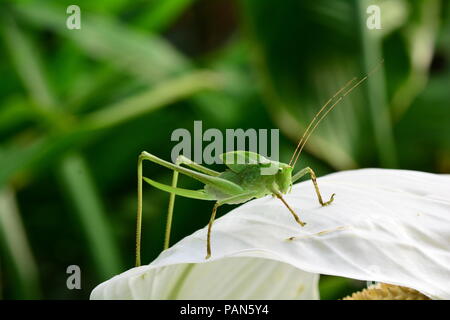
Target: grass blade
(146,56)
(162,13)
(17,248)
(155,98)
(26,62)
(376,90)
(80,188)
(77,181)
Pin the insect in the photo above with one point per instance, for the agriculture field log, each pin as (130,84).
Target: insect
(242,181)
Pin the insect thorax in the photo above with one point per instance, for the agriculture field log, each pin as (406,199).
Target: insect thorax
(251,180)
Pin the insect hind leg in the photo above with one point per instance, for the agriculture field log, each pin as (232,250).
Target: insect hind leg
(309,171)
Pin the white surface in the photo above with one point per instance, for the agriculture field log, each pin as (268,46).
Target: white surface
(390,226)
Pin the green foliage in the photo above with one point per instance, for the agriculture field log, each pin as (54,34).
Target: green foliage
(78,106)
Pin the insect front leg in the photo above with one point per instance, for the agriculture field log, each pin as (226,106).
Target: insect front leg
(305,171)
(279,196)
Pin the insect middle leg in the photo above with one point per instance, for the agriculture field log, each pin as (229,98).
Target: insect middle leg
(305,171)
(234,199)
(181,160)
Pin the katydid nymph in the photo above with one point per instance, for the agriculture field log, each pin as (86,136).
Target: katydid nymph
(241,181)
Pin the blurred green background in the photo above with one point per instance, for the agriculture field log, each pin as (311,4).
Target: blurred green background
(78,106)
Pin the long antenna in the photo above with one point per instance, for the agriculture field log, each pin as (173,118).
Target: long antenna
(303,140)
(315,117)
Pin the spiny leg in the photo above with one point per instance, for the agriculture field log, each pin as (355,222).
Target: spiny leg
(224,185)
(300,222)
(305,171)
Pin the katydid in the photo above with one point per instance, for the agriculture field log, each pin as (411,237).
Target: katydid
(242,181)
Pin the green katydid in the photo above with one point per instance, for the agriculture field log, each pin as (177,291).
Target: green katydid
(242,181)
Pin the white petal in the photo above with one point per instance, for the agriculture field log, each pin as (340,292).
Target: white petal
(233,278)
(390,226)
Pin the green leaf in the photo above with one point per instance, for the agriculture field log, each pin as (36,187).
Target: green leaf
(74,171)
(376,89)
(17,249)
(81,190)
(303,57)
(27,63)
(160,14)
(163,94)
(145,55)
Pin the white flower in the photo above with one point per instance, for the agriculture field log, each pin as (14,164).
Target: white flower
(391,226)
